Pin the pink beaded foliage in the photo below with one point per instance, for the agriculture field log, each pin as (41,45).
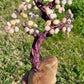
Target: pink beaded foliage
(52,24)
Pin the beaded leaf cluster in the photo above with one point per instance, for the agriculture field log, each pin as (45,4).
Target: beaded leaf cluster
(51,24)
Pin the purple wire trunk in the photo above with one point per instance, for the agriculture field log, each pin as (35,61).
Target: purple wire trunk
(35,51)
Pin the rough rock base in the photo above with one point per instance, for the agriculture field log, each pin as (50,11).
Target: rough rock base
(46,74)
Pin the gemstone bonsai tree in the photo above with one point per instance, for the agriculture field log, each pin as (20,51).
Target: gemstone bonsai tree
(52,24)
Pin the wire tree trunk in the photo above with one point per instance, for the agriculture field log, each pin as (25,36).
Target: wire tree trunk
(35,51)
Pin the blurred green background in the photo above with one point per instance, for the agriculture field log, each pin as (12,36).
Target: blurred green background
(15,48)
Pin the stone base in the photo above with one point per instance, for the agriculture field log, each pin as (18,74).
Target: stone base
(47,72)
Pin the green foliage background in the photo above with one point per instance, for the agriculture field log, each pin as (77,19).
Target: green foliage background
(15,49)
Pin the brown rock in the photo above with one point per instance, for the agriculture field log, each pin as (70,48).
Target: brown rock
(47,72)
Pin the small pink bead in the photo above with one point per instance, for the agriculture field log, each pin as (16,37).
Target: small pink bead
(57,2)
(14,15)
(29,6)
(23,24)
(64,20)
(7,28)
(17,21)
(67,35)
(11,31)
(69,11)
(52,31)
(60,10)
(24,8)
(71,26)
(16,29)
(8,24)
(63,29)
